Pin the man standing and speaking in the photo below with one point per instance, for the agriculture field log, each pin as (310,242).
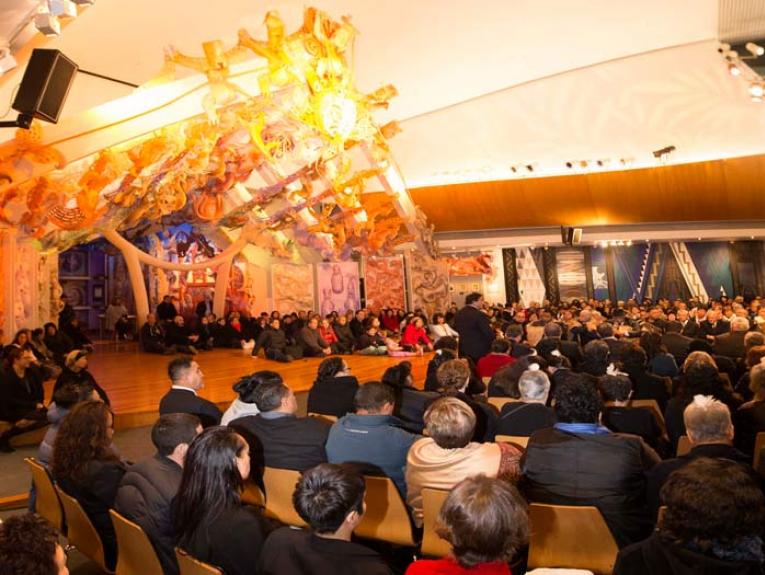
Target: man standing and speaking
(474,328)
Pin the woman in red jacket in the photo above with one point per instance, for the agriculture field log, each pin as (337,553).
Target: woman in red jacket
(414,337)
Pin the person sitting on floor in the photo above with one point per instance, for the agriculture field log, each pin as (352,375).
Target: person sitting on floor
(244,404)
(284,441)
(439,328)
(147,490)
(21,396)
(273,341)
(447,456)
(524,417)
(152,336)
(371,342)
(57,342)
(344,334)
(485,521)
(29,545)
(712,524)
(330,498)
(415,338)
(328,335)
(580,462)
(497,358)
(86,467)
(373,435)
(77,335)
(333,390)
(210,522)
(310,340)
(618,416)
(178,335)
(76,371)
(710,433)
(186,380)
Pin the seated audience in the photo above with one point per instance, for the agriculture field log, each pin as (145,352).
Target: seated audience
(710,433)
(186,380)
(531,413)
(310,340)
(675,342)
(485,522)
(570,349)
(644,385)
(244,403)
(372,436)
(210,521)
(21,396)
(85,466)
(64,399)
(152,336)
(328,335)
(755,351)
(358,325)
(284,441)
(596,358)
(618,416)
(732,344)
(447,456)
(445,348)
(147,490)
(580,462)
(76,371)
(180,336)
(77,336)
(371,341)
(330,498)
(333,390)
(57,341)
(166,310)
(713,524)
(439,328)
(345,337)
(415,338)
(410,402)
(29,545)
(660,361)
(273,341)
(116,319)
(615,345)
(497,358)
(749,419)
(514,335)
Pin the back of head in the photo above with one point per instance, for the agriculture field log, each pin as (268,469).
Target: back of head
(753,339)
(712,502)
(546,346)
(514,330)
(500,346)
(178,367)
(707,420)
(596,351)
(330,367)
(472,298)
(757,380)
(605,329)
(553,329)
(326,494)
(634,358)
(70,394)
(247,385)
(534,385)
(615,387)
(450,422)
(174,429)
(83,437)
(372,396)
(28,546)
(484,520)
(577,401)
(269,394)
(398,375)
(453,375)
(211,481)
(739,324)
(673,327)
(446,342)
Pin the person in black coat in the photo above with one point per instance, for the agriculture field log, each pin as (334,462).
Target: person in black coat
(77,336)
(356,325)
(21,396)
(309,338)
(618,416)
(569,349)
(522,418)
(330,498)
(732,344)
(749,419)
(152,337)
(147,490)
(712,524)
(86,468)
(209,519)
(273,341)
(186,378)
(474,328)
(410,403)
(67,314)
(57,342)
(334,389)
(281,439)
(644,385)
(76,372)
(343,332)
(676,343)
(180,336)
(166,311)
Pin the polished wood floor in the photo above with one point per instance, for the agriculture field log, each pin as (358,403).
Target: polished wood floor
(136,381)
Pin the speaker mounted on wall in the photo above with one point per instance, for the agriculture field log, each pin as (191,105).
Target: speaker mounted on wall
(45,85)
(570,236)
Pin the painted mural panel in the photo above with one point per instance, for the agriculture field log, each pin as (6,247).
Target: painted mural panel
(430,283)
(292,287)
(629,270)
(599,275)
(246,288)
(338,284)
(712,260)
(572,278)
(384,282)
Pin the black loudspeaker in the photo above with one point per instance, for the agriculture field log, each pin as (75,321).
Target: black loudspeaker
(45,85)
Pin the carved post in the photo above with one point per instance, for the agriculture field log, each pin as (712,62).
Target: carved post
(222,275)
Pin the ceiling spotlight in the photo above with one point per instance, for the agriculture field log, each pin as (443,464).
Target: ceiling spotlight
(734,70)
(754,49)
(63,8)
(583,163)
(530,167)
(47,24)
(756,91)
(663,154)
(569,165)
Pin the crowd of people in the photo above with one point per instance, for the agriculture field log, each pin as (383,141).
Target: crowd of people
(569,374)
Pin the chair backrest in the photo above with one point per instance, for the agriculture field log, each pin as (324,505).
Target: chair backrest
(653,405)
(188,565)
(280,485)
(136,553)
(499,402)
(570,536)
(759,443)
(80,530)
(301,397)
(253,495)
(683,445)
(432,544)
(386,517)
(47,505)
(521,440)
(325,416)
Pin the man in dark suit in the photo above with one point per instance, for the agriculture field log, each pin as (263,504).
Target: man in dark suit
(615,346)
(688,327)
(569,349)
(645,385)
(474,328)
(732,344)
(712,325)
(204,307)
(187,378)
(675,342)
(277,437)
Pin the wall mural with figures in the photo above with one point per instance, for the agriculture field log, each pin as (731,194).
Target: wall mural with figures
(429,283)
(292,287)
(384,283)
(338,287)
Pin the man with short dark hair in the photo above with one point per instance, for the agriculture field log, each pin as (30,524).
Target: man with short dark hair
(187,379)
(283,440)
(372,436)
(311,341)
(615,346)
(645,385)
(330,498)
(147,490)
(618,416)
(474,328)
(29,546)
(570,349)
(166,311)
(152,337)
(675,342)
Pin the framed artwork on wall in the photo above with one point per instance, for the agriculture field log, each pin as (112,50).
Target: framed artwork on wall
(73,263)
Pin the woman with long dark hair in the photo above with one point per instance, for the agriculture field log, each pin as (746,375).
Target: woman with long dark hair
(410,402)
(86,467)
(334,389)
(210,520)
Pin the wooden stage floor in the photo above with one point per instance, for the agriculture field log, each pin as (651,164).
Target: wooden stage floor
(136,381)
